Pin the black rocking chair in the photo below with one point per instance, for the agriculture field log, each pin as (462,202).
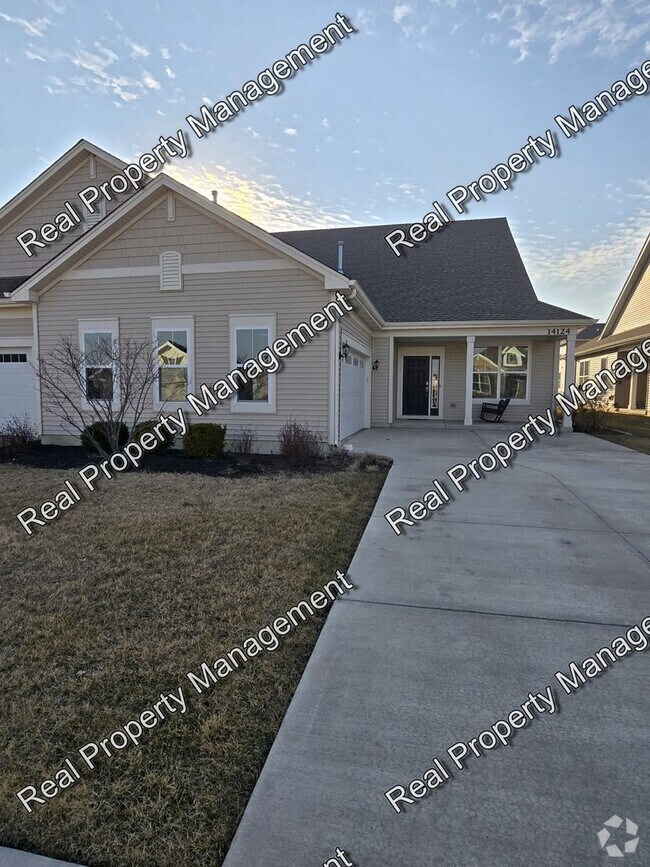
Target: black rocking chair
(495,409)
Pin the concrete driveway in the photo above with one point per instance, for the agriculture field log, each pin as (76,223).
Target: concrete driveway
(453,624)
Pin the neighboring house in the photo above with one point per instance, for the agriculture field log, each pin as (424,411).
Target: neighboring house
(433,333)
(582,337)
(628,325)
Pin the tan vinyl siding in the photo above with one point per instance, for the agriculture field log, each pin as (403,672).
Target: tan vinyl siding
(355,328)
(637,310)
(15,323)
(292,295)
(379,380)
(14,262)
(197,237)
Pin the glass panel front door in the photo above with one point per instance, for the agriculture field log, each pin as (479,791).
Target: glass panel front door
(421,385)
(434,389)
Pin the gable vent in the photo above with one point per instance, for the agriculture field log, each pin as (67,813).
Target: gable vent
(91,220)
(171,277)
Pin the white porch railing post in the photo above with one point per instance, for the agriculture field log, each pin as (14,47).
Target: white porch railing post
(469,379)
(569,373)
(631,403)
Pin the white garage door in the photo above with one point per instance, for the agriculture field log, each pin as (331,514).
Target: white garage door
(16,384)
(354,372)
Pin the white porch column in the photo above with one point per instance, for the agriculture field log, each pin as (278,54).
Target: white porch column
(569,373)
(556,367)
(469,379)
(634,382)
(391,379)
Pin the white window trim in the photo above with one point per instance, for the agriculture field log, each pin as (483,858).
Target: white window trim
(173,323)
(501,344)
(245,322)
(91,326)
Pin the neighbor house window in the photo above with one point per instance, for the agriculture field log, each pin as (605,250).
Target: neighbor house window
(98,346)
(583,372)
(500,371)
(248,336)
(173,348)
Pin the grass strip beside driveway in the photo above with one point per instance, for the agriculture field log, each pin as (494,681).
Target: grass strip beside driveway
(632,431)
(112,604)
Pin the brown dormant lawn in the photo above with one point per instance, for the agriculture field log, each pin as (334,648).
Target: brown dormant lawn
(112,604)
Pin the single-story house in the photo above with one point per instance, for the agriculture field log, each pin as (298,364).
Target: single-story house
(432,334)
(628,325)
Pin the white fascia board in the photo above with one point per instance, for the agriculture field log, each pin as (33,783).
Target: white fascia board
(626,291)
(460,329)
(366,304)
(333,280)
(54,270)
(101,232)
(42,180)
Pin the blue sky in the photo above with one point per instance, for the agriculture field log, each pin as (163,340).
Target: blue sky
(426,95)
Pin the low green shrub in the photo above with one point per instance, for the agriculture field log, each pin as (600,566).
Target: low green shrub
(204,440)
(147,427)
(101,437)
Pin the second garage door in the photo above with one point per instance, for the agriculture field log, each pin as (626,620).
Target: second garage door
(354,373)
(17,396)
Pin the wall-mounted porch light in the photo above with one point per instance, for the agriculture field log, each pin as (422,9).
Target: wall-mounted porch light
(345,350)
(375,364)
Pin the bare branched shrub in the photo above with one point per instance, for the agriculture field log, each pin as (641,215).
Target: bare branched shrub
(590,418)
(299,444)
(107,384)
(243,443)
(16,436)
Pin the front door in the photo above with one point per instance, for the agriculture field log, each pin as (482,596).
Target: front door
(421,385)
(415,390)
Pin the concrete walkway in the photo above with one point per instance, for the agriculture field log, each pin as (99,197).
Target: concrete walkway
(16,858)
(451,627)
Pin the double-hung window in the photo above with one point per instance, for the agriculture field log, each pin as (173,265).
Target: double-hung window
(98,342)
(174,351)
(248,336)
(583,372)
(501,371)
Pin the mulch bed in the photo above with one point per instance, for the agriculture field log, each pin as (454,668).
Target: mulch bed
(174,461)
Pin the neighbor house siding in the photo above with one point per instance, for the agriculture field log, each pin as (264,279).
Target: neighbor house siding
(292,295)
(637,310)
(14,262)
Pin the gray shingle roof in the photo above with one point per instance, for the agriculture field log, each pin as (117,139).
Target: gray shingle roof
(470,270)
(8,284)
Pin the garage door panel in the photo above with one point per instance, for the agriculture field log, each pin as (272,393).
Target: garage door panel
(354,373)
(17,397)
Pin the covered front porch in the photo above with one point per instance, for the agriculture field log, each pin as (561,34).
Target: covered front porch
(442,379)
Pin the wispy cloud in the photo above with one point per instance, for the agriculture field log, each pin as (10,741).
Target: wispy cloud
(599,27)
(170,72)
(31,28)
(592,270)
(402,11)
(267,205)
(291,131)
(150,82)
(137,50)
